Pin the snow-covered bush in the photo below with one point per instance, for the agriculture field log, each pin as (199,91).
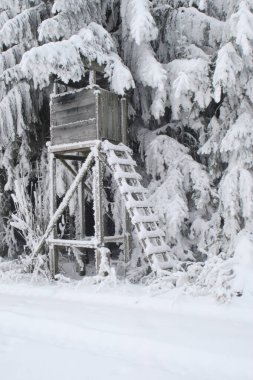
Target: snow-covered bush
(179,190)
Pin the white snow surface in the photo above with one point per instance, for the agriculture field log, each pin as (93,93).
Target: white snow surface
(121,332)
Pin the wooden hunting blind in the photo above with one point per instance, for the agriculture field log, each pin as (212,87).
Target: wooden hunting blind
(80,120)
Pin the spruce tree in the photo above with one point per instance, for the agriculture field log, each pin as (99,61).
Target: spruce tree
(186,67)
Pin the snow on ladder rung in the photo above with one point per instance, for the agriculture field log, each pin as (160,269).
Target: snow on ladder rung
(152,218)
(125,188)
(114,160)
(131,203)
(127,175)
(155,250)
(107,146)
(157,233)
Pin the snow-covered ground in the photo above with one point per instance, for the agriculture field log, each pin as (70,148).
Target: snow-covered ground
(71,333)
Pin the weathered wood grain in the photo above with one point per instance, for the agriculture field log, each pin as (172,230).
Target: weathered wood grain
(87,114)
(66,134)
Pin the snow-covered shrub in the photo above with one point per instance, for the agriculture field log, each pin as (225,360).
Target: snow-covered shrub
(179,190)
(30,218)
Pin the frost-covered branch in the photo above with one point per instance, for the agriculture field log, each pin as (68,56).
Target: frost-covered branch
(22,27)
(175,176)
(189,83)
(72,16)
(137,18)
(64,59)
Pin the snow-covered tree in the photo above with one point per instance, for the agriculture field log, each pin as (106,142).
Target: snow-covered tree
(187,68)
(228,145)
(29,61)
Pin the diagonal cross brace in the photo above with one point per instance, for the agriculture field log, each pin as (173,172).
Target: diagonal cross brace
(64,203)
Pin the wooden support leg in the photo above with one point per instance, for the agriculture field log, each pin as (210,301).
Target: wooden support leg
(53,257)
(81,232)
(81,202)
(126,233)
(98,207)
(53,261)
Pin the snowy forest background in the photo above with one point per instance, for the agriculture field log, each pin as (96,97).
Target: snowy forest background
(186,67)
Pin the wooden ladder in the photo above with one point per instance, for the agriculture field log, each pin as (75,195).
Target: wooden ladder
(141,213)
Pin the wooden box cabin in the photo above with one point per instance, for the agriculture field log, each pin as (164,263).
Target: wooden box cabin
(88,114)
(80,120)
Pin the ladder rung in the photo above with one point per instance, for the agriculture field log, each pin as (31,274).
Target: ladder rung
(125,188)
(145,218)
(107,146)
(127,175)
(137,204)
(155,250)
(121,161)
(151,234)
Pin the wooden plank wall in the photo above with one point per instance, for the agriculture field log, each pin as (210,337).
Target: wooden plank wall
(74,117)
(71,107)
(111,123)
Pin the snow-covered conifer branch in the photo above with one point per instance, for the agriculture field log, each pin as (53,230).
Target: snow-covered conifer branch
(175,175)
(190,26)
(149,72)
(73,5)
(228,65)
(22,27)
(13,56)
(241,27)
(6,15)
(19,5)
(138,19)
(72,16)
(189,83)
(138,28)
(238,141)
(64,59)
(12,115)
